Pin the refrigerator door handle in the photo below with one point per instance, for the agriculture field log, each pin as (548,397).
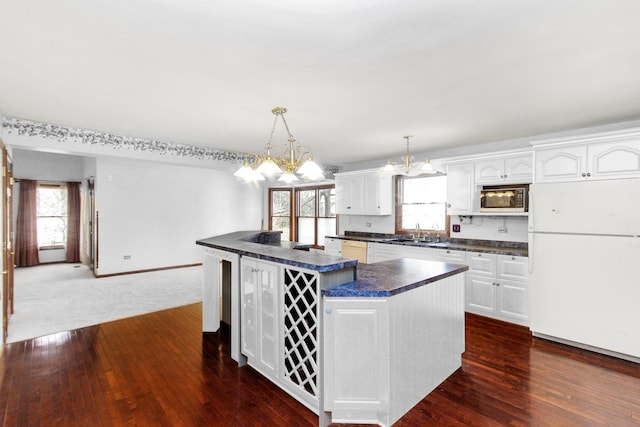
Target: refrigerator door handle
(530,226)
(530,251)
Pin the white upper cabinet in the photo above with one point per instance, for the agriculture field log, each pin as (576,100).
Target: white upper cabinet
(466,174)
(614,159)
(460,188)
(502,171)
(349,194)
(364,193)
(608,155)
(561,164)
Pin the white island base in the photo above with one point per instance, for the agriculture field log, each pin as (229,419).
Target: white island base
(384,355)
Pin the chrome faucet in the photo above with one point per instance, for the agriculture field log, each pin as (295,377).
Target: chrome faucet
(436,227)
(418,231)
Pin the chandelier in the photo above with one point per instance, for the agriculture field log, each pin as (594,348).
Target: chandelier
(407,167)
(286,160)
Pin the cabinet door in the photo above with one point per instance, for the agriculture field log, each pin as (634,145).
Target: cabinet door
(501,171)
(356,354)
(614,160)
(513,268)
(377,194)
(333,246)
(249,302)
(481,263)
(460,188)
(561,164)
(260,319)
(268,317)
(416,252)
(490,171)
(480,294)
(383,252)
(447,255)
(350,195)
(518,169)
(513,301)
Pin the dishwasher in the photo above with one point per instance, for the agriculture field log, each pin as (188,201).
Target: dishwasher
(355,249)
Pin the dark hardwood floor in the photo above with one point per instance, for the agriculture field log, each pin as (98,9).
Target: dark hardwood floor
(160,370)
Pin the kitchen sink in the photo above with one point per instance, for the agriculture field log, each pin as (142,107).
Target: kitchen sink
(423,242)
(439,244)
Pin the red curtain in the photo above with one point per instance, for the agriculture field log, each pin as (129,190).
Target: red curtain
(73,222)
(27,225)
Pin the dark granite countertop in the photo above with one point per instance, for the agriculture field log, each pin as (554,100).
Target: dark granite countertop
(487,246)
(388,278)
(267,245)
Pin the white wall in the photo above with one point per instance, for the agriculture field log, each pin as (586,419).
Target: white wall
(491,228)
(39,165)
(367,224)
(155,212)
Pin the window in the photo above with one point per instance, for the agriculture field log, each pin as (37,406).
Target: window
(422,203)
(315,213)
(280,212)
(52,215)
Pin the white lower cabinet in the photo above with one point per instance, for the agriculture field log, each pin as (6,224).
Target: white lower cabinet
(377,252)
(356,354)
(260,320)
(279,330)
(333,246)
(383,355)
(417,252)
(450,256)
(497,286)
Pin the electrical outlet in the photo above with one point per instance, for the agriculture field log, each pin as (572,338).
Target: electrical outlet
(127,257)
(503,230)
(368,224)
(465,219)
(456,228)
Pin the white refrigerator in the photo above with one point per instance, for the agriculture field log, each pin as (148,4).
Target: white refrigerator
(584,255)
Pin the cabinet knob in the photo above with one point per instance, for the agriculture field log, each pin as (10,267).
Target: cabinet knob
(497,284)
(584,174)
(588,173)
(328,310)
(448,205)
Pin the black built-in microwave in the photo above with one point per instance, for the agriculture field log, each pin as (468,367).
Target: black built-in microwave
(504,198)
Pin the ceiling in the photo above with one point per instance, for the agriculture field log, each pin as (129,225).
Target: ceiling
(355,76)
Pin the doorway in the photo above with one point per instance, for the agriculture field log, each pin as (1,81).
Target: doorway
(7,241)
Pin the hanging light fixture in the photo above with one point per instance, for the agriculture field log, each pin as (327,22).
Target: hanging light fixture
(288,160)
(407,167)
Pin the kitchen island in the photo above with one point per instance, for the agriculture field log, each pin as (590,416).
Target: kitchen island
(354,343)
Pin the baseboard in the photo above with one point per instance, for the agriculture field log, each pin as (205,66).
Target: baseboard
(148,270)
(582,346)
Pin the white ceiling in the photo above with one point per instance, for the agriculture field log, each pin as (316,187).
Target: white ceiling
(355,75)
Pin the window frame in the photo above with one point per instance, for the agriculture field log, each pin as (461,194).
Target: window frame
(294,206)
(291,210)
(399,203)
(65,218)
(316,217)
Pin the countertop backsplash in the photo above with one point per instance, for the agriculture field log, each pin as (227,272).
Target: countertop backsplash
(502,228)
(479,227)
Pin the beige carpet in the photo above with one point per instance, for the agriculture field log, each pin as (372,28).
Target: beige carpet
(60,297)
